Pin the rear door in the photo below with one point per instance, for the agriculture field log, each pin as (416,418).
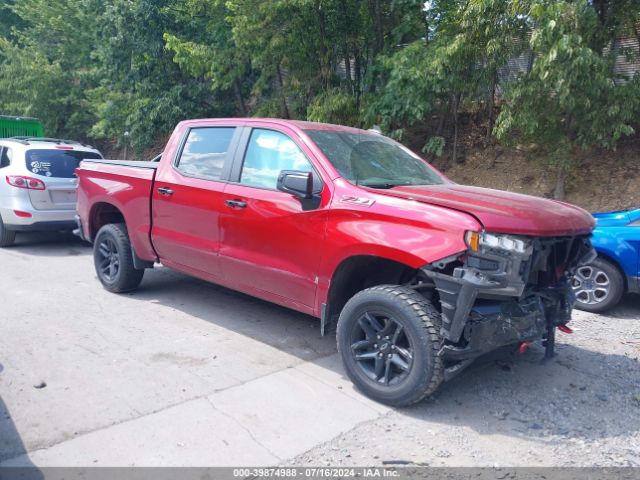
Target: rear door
(187,199)
(271,244)
(55,167)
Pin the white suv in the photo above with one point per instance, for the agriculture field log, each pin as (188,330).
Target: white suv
(38,184)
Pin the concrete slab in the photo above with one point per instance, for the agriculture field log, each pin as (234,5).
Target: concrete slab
(191,434)
(289,411)
(329,370)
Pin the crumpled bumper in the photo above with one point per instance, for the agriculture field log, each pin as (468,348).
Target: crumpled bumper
(492,299)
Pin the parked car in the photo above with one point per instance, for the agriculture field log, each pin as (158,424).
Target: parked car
(421,274)
(38,184)
(600,285)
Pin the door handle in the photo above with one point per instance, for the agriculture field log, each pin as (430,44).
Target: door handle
(165,191)
(236,203)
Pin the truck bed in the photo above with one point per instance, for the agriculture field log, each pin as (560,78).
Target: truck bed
(125,184)
(124,163)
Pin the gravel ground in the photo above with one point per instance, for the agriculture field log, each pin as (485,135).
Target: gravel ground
(580,409)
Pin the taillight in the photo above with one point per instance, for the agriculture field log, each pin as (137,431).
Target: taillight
(25,182)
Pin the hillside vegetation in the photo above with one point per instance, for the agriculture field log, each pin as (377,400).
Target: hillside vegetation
(546,87)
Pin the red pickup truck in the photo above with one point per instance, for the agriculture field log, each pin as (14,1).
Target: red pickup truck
(421,275)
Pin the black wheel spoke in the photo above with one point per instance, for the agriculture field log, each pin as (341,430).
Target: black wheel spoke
(373,321)
(361,345)
(104,249)
(397,333)
(380,346)
(400,363)
(366,356)
(367,328)
(387,371)
(405,353)
(379,367)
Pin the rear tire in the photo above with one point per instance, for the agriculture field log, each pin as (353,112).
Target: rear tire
(113,259)
(388,337)
(598,286)
(7,237)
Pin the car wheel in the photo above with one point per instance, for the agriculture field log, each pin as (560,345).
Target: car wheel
(388,338)
(598,286)
(113,259)
(7,237)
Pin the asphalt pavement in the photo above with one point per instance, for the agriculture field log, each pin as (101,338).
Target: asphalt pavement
(185,373)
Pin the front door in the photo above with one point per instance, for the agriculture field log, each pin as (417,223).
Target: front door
(187,199)
(269,243)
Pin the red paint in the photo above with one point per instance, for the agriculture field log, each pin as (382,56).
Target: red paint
(524,346)
(564,329)
(272,248)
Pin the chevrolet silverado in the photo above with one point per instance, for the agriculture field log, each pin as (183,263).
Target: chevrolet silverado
(418,275)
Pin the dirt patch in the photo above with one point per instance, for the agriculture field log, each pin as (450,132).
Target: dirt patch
(603,181)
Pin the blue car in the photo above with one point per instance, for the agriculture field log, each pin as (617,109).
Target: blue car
(601,284)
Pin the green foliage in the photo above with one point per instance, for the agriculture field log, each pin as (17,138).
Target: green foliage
(570,98)
(334,106)
(45,65)
(435,146)
(95,69)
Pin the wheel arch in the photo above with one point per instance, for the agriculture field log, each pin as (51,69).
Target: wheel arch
(604,255)
(359,272)
(101,214)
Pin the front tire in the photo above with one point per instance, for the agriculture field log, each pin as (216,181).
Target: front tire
(388,337)
(598,286)
(7,237)
(113,259)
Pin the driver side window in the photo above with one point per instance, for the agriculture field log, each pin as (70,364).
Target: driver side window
(268,153)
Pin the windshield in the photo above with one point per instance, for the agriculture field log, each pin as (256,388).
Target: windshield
(56,163)
(373,160)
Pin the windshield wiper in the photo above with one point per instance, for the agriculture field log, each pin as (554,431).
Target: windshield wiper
(384,185)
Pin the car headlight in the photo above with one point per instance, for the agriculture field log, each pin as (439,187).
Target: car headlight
(508,243)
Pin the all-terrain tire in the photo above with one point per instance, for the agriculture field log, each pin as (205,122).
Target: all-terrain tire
(113,259)
(616,287)
(7,237)
(420,322)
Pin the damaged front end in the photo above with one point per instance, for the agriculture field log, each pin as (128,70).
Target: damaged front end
(505,290)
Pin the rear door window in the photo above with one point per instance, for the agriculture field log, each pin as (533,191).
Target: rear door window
(205,152)
(56,163)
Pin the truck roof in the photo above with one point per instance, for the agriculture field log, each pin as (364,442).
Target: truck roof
(297,124)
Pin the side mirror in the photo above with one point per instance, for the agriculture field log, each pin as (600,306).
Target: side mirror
(296,182)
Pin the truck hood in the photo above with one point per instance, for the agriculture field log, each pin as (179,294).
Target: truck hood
(503,212)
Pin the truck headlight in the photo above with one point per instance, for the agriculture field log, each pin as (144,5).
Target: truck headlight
(495,241)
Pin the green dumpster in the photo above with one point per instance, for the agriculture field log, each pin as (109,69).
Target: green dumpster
(20,127)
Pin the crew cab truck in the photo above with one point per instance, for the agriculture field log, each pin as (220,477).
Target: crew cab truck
(421,275)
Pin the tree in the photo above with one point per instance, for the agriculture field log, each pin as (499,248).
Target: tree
(46,63)
(570,100)
(142,90)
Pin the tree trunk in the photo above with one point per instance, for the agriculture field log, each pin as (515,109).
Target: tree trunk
(377,16)
(238,93)
(285,108)
(347,57)
(454,108)
(325,69)
(491,106)
(559,192)
(357,76)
